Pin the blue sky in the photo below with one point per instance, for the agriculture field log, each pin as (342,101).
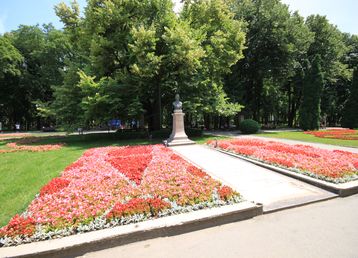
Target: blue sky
(342,13)
(30,12)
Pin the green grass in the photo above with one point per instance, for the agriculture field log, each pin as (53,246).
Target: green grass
(24,173)
(309,138)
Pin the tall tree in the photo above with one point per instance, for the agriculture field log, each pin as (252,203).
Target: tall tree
(223,41)
(275,43)
(329,44)
(11,62)
(350,112)
(141,54)
(310,108)
(44,50)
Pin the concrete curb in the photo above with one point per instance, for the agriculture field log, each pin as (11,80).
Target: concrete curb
(80,244)
(343,190)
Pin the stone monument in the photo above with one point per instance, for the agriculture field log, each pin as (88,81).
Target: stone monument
(178,135)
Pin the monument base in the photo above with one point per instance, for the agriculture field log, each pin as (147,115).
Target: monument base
(178,136)
(178,142)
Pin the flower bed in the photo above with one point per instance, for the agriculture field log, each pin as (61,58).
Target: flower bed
(113,186)
(342,134)
(333,166)
(21,145)
(13,135)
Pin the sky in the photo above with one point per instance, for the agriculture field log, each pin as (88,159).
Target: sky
(31,12)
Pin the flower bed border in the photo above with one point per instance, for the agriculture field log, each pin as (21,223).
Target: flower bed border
(342,189)
(80,244)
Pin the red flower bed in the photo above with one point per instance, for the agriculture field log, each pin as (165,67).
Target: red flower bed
(13,135)
(20,145)
(329,165)
(342,134)
(116,182)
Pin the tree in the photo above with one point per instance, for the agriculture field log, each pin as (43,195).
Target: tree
(310,106)
(43,50)
(10,59)
(276,43)
(140,54)
(11,62)
(223,41)
(350,112)
(329,44)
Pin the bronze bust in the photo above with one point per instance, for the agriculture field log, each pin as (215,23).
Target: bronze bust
(177,103)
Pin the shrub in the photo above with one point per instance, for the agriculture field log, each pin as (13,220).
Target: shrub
(311,99)
(249,126)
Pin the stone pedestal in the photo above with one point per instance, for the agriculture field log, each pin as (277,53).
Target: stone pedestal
(178,135)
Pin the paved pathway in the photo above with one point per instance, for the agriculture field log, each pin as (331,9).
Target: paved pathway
(325,229)
(257,184)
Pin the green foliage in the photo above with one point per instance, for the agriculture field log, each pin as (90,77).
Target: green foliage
(329,44)
(133,56)
(10,59)
(35,66)
(249,126)
(310,107)
(223,42)
(276,44)
(351,57)
(350,112)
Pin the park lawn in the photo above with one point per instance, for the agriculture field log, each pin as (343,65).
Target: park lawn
(24,173)
(300,136)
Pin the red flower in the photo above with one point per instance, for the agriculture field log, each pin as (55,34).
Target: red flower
(138,205)
(131,166)
(54,186)
(342,134)
(355,164)
(19,226)
(196,171)
(225,193)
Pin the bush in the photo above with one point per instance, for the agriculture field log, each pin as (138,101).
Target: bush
(249,126)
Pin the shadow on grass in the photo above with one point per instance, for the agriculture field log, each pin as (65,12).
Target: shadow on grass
(86,141)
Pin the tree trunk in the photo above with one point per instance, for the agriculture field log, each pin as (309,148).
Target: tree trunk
(157,116)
